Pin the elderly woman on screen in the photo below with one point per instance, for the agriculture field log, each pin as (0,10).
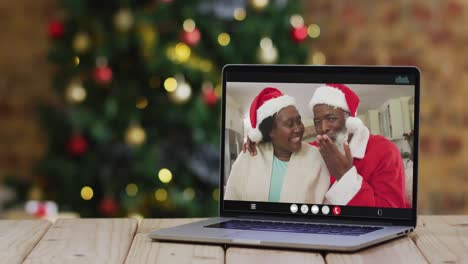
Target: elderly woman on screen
(285,169)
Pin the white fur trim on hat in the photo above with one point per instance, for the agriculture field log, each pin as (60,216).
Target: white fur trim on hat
(329,96)
(269,108)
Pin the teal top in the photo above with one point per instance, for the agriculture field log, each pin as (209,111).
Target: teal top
(277,177)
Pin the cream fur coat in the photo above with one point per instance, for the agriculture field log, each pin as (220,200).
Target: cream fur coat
(306,181)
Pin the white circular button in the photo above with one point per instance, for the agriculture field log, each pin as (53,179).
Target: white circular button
(304,209)
(314,209)
(325,210)
(293,208)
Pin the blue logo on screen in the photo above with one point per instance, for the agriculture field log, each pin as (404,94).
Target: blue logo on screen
(402,79)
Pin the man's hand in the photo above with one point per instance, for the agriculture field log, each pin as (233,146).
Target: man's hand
(337,163)
(251,146)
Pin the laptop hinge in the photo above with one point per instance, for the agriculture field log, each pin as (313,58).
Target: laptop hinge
(327,221)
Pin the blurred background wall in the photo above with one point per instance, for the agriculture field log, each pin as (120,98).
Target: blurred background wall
(428,34)
(24,80)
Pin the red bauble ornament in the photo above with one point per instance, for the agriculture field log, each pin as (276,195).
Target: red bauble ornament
(41,210)
(56,29)
(209,97)
(77,145)
(108,207)
(191,38)
(299,34)
(102,75)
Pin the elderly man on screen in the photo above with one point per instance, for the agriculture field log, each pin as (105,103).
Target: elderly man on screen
(365,169)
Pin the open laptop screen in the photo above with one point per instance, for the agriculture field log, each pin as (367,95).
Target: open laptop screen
(329,141)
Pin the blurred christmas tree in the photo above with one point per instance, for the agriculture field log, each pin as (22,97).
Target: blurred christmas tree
(138,132)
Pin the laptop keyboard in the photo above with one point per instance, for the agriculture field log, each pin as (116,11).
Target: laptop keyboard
(307,228)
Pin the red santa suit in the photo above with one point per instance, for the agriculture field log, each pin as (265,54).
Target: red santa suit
(377,178)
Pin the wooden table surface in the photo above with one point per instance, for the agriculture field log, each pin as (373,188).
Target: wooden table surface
(437,239)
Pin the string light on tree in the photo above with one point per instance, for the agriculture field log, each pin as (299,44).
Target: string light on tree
(170,84)
(258,4)
(215,194)
(296,21)
(135,135)
(239,14)
(165,175)
(218,90)
(75,92)
(224,39)
(123,20)
(87,193)
(102,73)
(188,194)
(205,65)
(160,195)
(131,189)
(298,30)
(190,35)
(267,52)
(182,93)
(76,60)
(318,58)
(313,31)
(81,42)
(141,103)
(182,52)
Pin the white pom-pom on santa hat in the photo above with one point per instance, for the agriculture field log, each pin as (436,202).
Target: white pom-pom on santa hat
(255,135)
(267,103)
(353,124)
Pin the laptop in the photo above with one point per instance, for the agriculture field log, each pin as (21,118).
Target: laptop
(373,212)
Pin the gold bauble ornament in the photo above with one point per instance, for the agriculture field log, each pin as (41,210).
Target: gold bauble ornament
(81,42)
(135,135)
(123,20)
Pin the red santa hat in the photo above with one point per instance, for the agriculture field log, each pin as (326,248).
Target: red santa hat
(267,103)
(341,96)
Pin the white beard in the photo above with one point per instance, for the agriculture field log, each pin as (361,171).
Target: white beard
(341,138)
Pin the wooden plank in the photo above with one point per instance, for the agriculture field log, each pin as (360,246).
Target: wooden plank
(148,225)
(255,256)
(442,239)
(401,250)
(144,250)
(85,241)
(18,238)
